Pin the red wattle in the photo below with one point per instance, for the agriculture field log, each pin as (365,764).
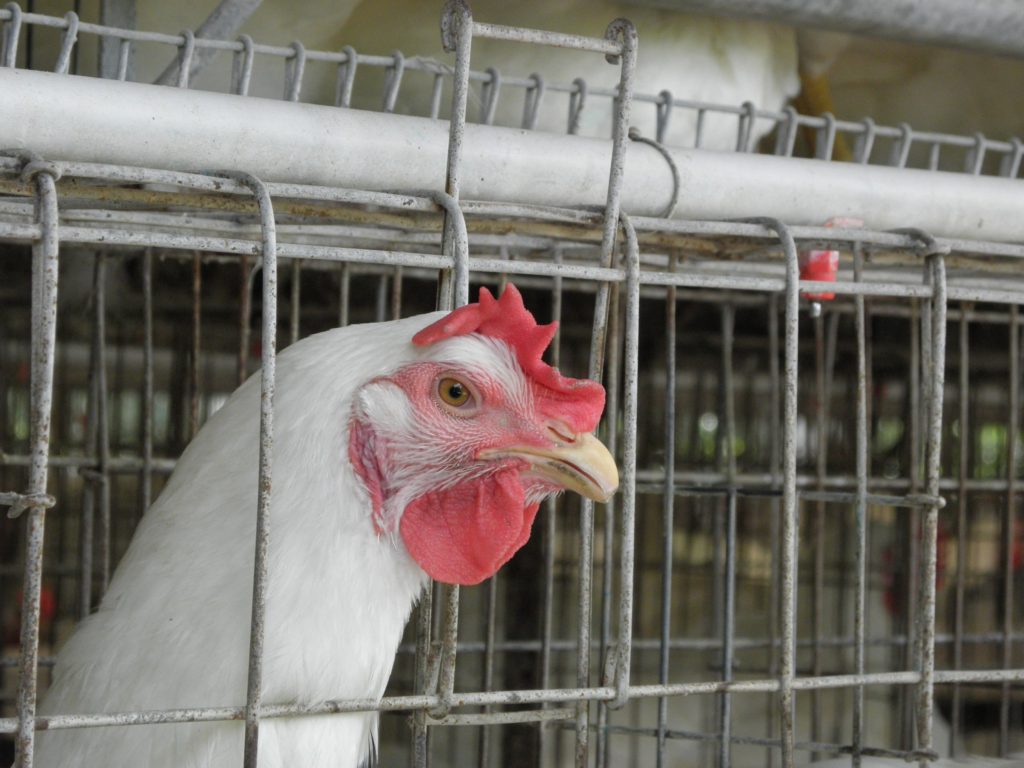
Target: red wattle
(464,534)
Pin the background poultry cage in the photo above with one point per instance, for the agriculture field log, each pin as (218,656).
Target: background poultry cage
(819,511)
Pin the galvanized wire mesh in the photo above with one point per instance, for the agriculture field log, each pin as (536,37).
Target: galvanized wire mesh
(816,545)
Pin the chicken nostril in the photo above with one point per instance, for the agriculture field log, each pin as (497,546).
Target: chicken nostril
(562,433)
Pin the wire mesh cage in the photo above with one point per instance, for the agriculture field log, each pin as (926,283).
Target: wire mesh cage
(815,551)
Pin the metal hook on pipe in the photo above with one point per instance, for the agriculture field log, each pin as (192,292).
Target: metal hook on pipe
(577,100)
(346,77)
(12,34)
(745,129)
(295,67)
(531,101)
(901,148)
(185,60)
(634,134)
(865,142)
(393,80)
(489,102)
(241,66)
(67,43)
(663,112)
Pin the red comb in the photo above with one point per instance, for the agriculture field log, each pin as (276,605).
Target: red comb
(577,402)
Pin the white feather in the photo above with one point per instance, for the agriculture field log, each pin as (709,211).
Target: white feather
(173,629)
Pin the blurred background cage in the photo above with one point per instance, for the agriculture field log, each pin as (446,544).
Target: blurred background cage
(820,510)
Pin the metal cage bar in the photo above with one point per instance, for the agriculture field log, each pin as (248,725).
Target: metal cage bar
(392,245)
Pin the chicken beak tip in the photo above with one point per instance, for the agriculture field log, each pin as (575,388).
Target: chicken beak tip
(584,465)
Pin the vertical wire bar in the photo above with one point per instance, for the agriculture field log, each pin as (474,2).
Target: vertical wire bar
(860,509)
(123,58)
(925,402)
(698,131)
(44,334)
(455,282)
(774,458)
(62,419)
(818,577)
(244,313)
(435,95)
(956,724)
(504,254)
(717,510)
(926,612)
(790,521)
(667,509)
(624,30)
(913,523)
(1009,531)
(344,293)
(490,620)
(457,35)
(380,309)
(147,380)
(102,420)
(623,647)
(458,244)
(620,141)
(492,584)
(296,299)
(87,520)
(584,608)
(547,614)
(197,292)
(396,293)
(608,544)
(453,291)
(420,746)
(729,602)
(449,638)
(268,364)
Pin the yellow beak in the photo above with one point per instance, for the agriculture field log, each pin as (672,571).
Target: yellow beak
(583,465)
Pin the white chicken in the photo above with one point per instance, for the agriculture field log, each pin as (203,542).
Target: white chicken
(403,450)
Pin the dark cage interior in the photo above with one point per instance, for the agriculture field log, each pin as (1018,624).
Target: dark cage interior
(708,590)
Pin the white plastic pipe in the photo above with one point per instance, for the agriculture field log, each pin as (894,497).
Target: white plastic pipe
(63,117)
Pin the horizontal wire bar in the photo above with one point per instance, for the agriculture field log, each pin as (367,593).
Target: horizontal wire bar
(543,37)
(111,237)
(811,746)
(555,695)
(504,718)
(702,644)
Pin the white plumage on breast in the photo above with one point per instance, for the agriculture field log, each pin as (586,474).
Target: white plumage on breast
(173,629)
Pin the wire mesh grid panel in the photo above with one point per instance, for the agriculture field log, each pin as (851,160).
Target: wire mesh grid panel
(815,548)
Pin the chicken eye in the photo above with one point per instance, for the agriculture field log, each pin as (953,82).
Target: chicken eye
(453,392)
